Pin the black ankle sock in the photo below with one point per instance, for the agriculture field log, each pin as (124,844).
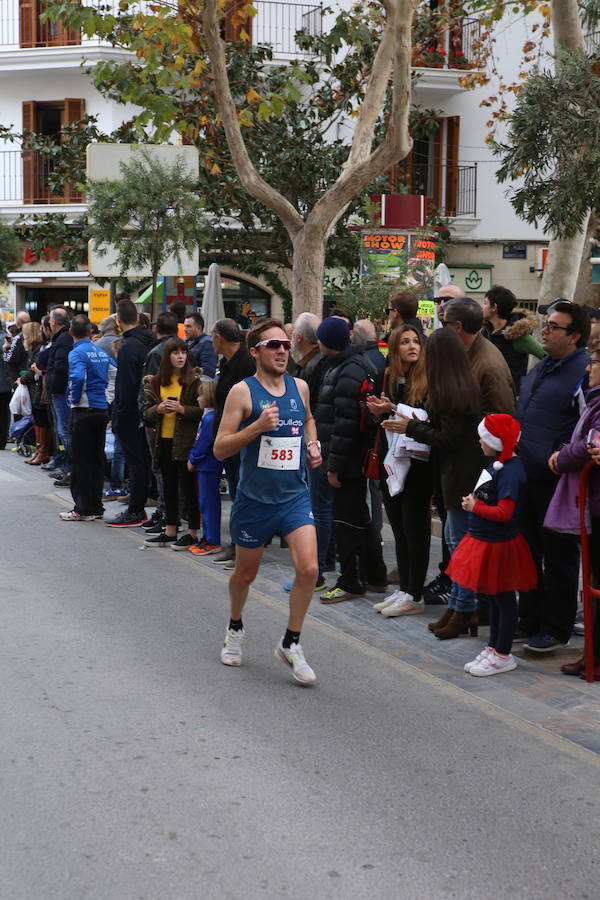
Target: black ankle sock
(235,624)
(291,637)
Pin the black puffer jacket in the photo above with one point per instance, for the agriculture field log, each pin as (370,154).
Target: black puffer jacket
(132,357)
(343,442)
(57,374)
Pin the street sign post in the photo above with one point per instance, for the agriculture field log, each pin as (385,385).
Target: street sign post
(103,162)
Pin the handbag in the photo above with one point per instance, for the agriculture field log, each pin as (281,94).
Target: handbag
(372,461)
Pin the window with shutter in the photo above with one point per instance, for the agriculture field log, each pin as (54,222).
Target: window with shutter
(421,171)
(34,33)
(47,119)
(452,139)
(235,21)
(29,156)
(427,171)
(28,23)
(73,111)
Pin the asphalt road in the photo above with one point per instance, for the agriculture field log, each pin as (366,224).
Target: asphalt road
(134,765)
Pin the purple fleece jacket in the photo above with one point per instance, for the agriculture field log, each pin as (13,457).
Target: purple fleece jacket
(574,455)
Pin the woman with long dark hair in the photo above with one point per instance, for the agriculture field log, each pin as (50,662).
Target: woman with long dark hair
(173,411)
(409,512)
(454,408)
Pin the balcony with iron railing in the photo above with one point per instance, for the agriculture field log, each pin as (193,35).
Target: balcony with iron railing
(453,46)
(466,191)
(442,55)
(25,179)
(276,24)
(450,188)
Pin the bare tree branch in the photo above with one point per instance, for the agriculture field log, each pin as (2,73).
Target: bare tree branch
(251,180)
(397,142)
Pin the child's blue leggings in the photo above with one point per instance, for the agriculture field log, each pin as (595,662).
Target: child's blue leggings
(210,506)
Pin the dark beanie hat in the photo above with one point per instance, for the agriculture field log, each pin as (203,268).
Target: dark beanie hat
(334,333)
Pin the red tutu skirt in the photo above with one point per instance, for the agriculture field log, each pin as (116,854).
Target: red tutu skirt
(493,568)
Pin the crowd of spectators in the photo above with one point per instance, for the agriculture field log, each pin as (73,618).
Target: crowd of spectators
(400,431)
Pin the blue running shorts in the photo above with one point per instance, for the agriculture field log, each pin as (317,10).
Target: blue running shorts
(253,524)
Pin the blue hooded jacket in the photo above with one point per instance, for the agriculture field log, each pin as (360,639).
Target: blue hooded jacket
(88,375)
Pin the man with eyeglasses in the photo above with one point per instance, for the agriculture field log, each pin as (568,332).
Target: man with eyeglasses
(550,403)
(267,420)
(402,310)
(445,293)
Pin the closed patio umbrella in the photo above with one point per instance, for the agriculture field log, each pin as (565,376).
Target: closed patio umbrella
(212,302)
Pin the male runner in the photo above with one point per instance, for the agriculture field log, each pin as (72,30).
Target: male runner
(267,419)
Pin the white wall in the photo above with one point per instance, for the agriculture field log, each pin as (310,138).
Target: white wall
(55,85)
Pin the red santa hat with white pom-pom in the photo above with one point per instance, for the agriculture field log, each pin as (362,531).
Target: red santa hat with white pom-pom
(500,432)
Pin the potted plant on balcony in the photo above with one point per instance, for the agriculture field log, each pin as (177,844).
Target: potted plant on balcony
(427,40)
(458,60)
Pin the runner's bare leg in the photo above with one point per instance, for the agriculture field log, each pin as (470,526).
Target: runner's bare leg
(247,562)
(303,547)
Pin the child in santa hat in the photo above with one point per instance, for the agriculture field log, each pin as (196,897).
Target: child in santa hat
(493,559)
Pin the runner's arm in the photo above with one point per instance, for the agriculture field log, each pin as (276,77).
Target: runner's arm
(238,407)
(310,426)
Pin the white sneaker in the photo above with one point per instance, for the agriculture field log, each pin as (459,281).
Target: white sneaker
(493,665)
(388,600)
(404,606)
(294,657)
(479,658)
(231,654)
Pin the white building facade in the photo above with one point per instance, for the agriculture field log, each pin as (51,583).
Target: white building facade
(43,86)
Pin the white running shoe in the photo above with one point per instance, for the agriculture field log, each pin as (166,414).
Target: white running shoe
(404,606)
(388,600)
(479,658)
(493,665)
(231,654)
(294,657)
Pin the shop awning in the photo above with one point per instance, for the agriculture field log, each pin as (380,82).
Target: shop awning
(146,295)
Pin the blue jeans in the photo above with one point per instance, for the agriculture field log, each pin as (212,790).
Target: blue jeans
(457,523)
(321,498)
(62,416)
(117,468)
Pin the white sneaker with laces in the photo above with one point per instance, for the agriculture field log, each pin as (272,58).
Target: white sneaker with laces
(404,606)
(388,600)
(294,657)
(493,665)
(479,658)
(231,653)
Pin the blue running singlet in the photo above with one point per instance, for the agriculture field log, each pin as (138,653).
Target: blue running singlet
(273,466)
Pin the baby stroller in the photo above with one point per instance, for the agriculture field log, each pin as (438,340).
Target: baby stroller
(23,434)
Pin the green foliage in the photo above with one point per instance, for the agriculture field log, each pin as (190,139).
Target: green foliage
(53,232)
(10,250)
(552,148)
(590,15)
(153,212)
(365,298)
